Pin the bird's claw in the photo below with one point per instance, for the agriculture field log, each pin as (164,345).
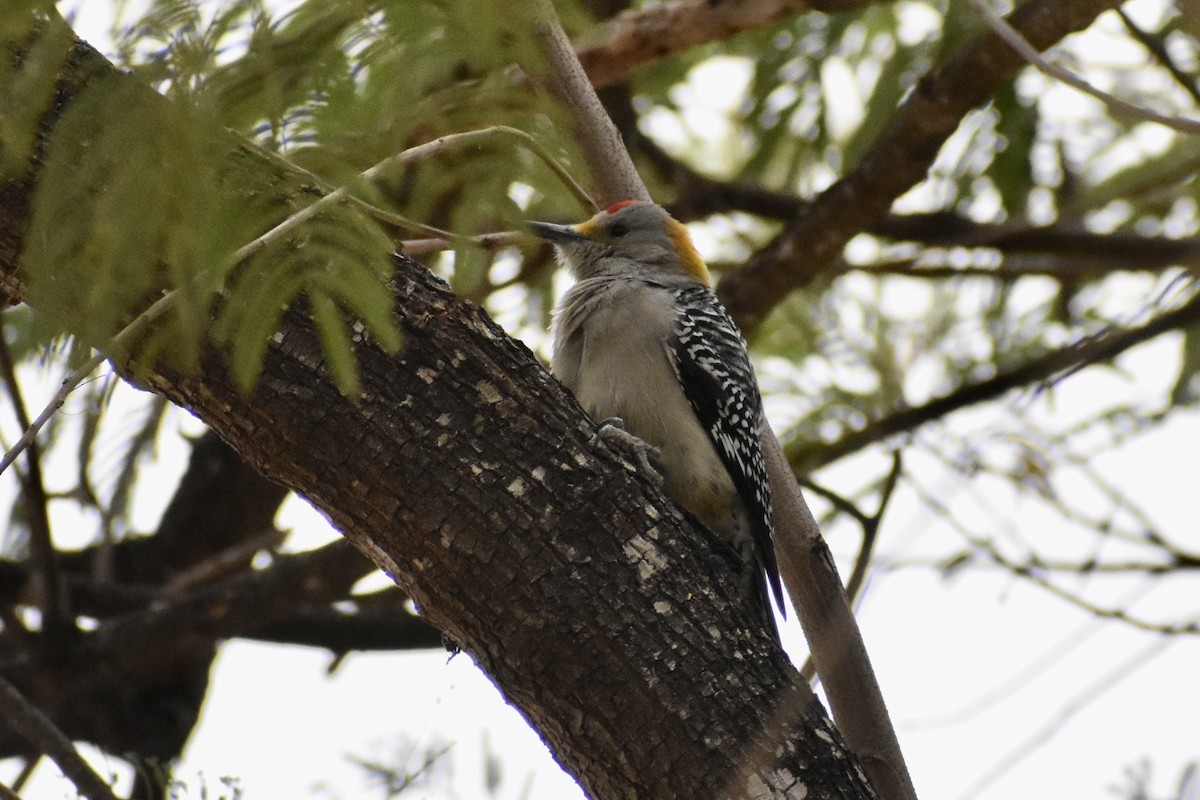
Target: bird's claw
(644,456)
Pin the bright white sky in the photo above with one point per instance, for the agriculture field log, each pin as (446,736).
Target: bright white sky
(998,690)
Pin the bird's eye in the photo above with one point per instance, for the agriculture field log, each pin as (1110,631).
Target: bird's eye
(618,230)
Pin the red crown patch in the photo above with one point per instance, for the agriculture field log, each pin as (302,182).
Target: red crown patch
(615,207)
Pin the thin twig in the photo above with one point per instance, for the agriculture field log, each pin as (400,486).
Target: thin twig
(1030,573)
(455,140)
(1190,627)
(1156,49)
(487,241)
(1059,717)
(28,722)
(26,772)
(1028,52)
(870,535)
(1097,348)
(223,564)
(437,147)
(840,503)
(120,342)
(1015,682)
(947,563)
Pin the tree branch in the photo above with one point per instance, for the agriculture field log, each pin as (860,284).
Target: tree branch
(898,161)
(33,726)
(609,165)
(1158,50)
(834,640)
(807,457)
(634,39)
(1115,104)
(1086,253)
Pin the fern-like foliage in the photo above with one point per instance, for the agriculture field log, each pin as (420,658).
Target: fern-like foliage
(141,194)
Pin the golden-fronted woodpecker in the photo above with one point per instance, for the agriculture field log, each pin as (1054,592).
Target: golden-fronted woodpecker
(642,337)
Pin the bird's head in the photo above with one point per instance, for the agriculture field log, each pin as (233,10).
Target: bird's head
(629,231)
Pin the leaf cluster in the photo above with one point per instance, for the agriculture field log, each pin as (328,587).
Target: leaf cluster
(138,198)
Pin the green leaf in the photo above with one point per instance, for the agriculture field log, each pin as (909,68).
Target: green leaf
(335,343)
(1148,175)
(251,317)
(339,255)
(1012,170)
(1186,390)
(123,209)
(284,64)
(32,52)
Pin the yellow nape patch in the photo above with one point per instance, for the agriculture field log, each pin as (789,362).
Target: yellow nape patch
(689,259)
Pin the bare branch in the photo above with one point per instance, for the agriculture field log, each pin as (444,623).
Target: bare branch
(869,524)
(1029,572)
(119,344)
(870,533)
(609,165)
(1059,716)
(1064,251)
(1156,48)
(223,564)
(32,725)
(635,38)
(833,636)
(487,241)
(1171,565)
(1116,104)
(1092,349)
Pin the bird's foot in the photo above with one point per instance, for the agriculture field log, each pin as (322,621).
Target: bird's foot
(644,456)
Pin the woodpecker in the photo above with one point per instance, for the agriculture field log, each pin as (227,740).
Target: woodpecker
(641,337)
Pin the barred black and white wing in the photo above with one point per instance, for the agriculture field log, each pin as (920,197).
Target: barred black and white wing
(718,380)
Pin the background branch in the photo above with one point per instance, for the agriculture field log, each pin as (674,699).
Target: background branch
(33,726)
(36,504)
(898,160)
(1030,54)
(1102,347)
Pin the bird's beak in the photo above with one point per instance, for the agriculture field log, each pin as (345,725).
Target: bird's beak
(557,233)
